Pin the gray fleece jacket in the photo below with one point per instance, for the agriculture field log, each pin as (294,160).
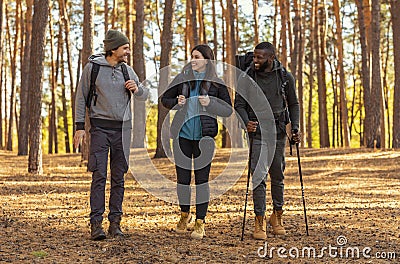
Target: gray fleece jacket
(113,106)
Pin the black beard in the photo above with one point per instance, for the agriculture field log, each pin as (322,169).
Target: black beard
(263,67)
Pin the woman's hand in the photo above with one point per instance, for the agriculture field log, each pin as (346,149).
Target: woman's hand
(181,100)
(204,100)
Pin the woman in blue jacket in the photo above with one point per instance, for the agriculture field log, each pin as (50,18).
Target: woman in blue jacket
(199,95)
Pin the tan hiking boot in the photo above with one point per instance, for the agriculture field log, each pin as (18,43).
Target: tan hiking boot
(260,227)
(198,232)
(276,222)
(181,227)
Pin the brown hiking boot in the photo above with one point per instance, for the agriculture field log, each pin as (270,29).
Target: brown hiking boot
(198,232)
(181,227)
(276,222)
(260,227)
(97,232)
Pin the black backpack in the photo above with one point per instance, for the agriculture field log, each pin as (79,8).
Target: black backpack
(243,62)
(93,76)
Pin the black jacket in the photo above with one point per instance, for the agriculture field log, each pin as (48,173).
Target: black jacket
(220,103)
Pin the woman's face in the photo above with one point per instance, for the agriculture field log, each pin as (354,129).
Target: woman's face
(198,62)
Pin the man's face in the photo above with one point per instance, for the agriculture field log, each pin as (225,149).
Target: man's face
(121,54)
(263,59)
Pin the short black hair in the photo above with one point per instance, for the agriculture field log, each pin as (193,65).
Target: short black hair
(266,46)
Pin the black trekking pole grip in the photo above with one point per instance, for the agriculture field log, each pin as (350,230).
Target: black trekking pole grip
(248,182)
(302,187)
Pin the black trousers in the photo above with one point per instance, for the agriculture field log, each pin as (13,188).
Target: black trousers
(102,142)
(187,153)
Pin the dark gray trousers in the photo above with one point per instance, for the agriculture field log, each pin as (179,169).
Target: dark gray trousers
(102,142)
(276,172)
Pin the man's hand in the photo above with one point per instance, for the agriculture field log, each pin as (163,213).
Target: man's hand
(296,136)
(131,86)
(204,100)
(252,126)
(181,100)
(78,137)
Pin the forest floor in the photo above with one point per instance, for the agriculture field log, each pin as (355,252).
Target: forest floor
(352,198)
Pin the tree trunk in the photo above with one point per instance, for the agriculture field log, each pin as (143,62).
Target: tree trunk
(53,110)
(24,98)
(200,19)
(165,61)
(310,61)
(64,110)
(87,48)
(1,73)
(188,33)
(232,139)
(66,24)
(224,33)
(299,70)
(342,83)
(128,26)
(294,54)
(275,36)
(105,16)
(283,53)
(215,34)
(395,10)
(289,35)
(385,87)
(39,25)
(140,69)
(193,21)
(363,19)
(321,57)
(13,57)
(376,138)
(114,14)
(255,17)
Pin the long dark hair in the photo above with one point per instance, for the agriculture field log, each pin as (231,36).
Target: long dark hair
(211,72)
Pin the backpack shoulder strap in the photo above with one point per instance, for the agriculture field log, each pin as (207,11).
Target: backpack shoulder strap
(92,88)
(125,72)
(126,76)
(285,83)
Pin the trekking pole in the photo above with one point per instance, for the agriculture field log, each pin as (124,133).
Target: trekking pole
(248,182)
(302,188)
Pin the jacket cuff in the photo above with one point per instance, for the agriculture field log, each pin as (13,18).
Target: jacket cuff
(139,92)
(79,126)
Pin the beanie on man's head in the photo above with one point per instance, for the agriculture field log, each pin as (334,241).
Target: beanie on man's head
(114,39)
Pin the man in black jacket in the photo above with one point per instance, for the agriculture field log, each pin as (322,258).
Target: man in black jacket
(266,71)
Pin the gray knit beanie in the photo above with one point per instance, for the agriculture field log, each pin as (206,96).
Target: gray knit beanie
(114,39)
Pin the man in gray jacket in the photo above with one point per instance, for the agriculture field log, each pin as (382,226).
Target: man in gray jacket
(267,72)
(109,109)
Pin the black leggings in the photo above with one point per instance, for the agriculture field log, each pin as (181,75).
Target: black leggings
(202,165)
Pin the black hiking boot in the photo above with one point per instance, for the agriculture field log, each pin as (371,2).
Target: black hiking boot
(97,232)
(114,230)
